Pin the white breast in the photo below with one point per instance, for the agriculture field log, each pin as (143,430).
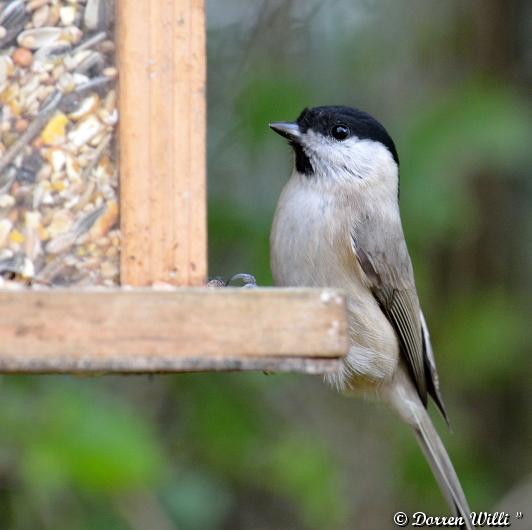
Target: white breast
(302,253)
(311,247)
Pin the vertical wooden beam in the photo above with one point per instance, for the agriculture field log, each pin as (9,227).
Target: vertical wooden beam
(162,67)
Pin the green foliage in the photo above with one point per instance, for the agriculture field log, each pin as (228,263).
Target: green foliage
(234,432)
(197,500)
(269,96)
(486,336)
(66,433)
(237,231)
(479,126)
(304,471)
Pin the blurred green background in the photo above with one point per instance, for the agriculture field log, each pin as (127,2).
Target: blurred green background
(452,82)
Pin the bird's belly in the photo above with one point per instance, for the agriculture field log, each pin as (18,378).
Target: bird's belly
(305,252)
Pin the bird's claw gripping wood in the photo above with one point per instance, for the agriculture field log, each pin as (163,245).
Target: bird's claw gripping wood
(237,280)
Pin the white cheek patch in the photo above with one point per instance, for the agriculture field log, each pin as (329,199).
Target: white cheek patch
(349,160)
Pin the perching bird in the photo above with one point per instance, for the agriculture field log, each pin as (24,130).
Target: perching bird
(337,224)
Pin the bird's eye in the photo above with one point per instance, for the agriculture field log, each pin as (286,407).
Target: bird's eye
(340,132)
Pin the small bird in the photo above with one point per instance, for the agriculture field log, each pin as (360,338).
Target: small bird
(337,224)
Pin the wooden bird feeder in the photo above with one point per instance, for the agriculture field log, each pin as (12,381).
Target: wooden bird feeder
(137,326)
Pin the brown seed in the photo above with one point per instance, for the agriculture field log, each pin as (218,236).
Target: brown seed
(35,4)
(22,57)
(21,125)
(54,16)
(41,16)
(107,46)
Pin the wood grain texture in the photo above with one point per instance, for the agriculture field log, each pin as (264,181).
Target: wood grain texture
(162,65)
(141,330)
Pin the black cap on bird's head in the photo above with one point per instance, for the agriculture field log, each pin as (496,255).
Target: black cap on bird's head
(334,123)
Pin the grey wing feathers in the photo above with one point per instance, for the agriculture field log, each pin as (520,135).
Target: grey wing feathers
(430,363)
(401,308)
(392,283)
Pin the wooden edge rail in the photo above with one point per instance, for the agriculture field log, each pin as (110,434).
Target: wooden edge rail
(178,330)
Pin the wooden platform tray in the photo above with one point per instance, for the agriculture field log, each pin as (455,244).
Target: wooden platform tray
(179,330)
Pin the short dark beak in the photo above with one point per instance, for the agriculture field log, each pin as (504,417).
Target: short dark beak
(289,130)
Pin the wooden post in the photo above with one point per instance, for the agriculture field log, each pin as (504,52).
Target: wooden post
(162,64)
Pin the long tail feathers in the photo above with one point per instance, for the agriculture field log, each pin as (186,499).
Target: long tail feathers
(404,399)
(442,468)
